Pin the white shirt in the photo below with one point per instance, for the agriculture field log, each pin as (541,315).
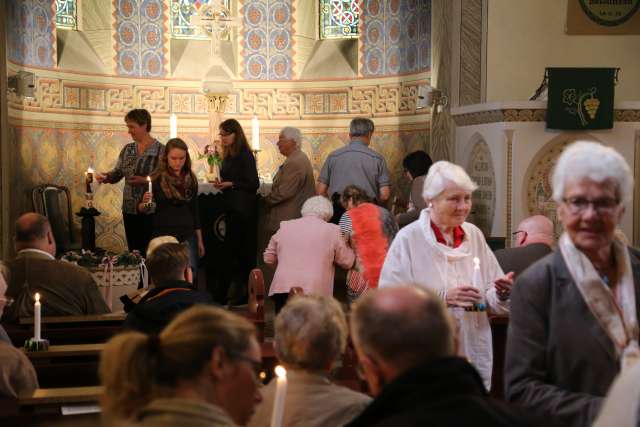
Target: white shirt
(415,257)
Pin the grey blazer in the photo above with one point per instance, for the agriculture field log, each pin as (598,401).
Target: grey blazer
(559,362)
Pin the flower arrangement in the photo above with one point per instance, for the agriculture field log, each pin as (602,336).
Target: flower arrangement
(212,155)
(90,259)
(214,160)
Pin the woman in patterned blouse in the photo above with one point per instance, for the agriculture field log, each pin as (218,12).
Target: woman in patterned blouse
(136,161)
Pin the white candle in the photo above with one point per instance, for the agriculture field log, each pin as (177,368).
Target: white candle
(281,392)
(149,181)
(173,126)
(36,318)
(476,273)
(255,134)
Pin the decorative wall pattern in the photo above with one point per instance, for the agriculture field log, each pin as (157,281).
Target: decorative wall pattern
(30,35)
(395,37)
(140,33)
(60,156)
(267,39)
(61,95)
(339,19)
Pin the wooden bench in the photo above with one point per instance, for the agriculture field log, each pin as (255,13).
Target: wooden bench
(46,405)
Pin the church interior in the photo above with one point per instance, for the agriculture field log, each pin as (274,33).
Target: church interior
(469,82)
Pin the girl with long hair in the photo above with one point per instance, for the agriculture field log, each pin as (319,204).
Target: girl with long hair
(175,200)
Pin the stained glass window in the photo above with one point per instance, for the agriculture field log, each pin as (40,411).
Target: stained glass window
(67,14)
(181,13)
(339,19)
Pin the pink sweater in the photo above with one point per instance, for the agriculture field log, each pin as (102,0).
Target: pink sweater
(305,250)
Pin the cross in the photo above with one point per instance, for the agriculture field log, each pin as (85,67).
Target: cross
(215,20)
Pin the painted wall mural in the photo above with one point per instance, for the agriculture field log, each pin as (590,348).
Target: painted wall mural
(396,37)
(267,39)
(60,156)
(140,32)
(30,35)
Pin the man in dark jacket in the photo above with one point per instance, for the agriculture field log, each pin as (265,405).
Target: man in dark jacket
(533,241)
(404,340)
(170,272)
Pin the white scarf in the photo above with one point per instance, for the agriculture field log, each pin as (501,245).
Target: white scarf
(620,322)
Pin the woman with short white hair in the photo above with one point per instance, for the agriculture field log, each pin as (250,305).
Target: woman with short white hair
(305,251)
(437,252)
(574,322)
(310,336)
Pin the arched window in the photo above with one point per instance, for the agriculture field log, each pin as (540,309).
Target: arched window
(339,19)
(181,13)
(67,14)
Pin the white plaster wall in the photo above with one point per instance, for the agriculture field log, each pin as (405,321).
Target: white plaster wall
(526,36)
(529,138)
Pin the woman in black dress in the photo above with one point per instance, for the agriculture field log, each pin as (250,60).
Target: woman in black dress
(239,184)
(175,200)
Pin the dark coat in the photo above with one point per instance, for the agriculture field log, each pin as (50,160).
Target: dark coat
(559,362)
(445,392)
(161,304)
(518,259)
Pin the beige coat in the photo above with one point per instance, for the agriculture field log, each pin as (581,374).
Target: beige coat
(292,186)
(311,401)
(179,412)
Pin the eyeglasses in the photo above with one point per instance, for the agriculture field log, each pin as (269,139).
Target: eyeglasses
(578,205)
(514,235)
(7,301)
(256,365)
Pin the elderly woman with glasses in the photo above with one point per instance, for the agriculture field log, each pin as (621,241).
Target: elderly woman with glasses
(310,336)
(574,321)
(440,251)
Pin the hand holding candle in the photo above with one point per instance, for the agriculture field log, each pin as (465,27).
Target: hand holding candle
(281,391)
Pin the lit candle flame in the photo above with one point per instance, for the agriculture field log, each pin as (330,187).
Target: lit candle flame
(476,262)
(90,170)
(280,372)
(37,296)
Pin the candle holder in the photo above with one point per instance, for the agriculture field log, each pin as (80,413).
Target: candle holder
(33,344)
(88,226)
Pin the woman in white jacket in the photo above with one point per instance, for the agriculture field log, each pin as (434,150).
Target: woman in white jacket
(437,252)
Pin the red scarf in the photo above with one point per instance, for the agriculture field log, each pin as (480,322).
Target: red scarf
(371,243)
(458,235)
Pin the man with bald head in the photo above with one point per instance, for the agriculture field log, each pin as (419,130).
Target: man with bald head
(65,289)
(533,239)
(404,339)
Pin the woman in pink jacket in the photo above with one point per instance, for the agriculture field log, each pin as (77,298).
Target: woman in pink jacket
(305,251)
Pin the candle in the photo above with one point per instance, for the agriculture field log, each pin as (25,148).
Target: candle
(281,391)
(255,134)
(36,318)
(88,179)
(149,181)
(173,126)
(477,283)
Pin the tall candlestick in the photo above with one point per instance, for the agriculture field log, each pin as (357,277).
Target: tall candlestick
(281,392)
(173,126)
(150,188)
(477,283)
(255,134)
(36,318)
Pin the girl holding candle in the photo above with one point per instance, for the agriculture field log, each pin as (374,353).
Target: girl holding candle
(173,188)
(437,252)
(239,184)
(137,160)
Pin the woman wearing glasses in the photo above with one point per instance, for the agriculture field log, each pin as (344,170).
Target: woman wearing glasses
(202,370)
(574,321)
(437,252)
(239,184)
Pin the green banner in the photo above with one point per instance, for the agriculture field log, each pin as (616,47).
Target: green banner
(580,98)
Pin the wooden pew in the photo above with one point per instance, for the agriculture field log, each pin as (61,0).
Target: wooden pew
(499,325)
(46,405)
(255,308)
(68,329)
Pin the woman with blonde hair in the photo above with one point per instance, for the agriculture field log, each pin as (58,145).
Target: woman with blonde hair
(201,370)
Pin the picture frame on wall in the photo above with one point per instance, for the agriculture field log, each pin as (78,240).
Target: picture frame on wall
(601,17)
